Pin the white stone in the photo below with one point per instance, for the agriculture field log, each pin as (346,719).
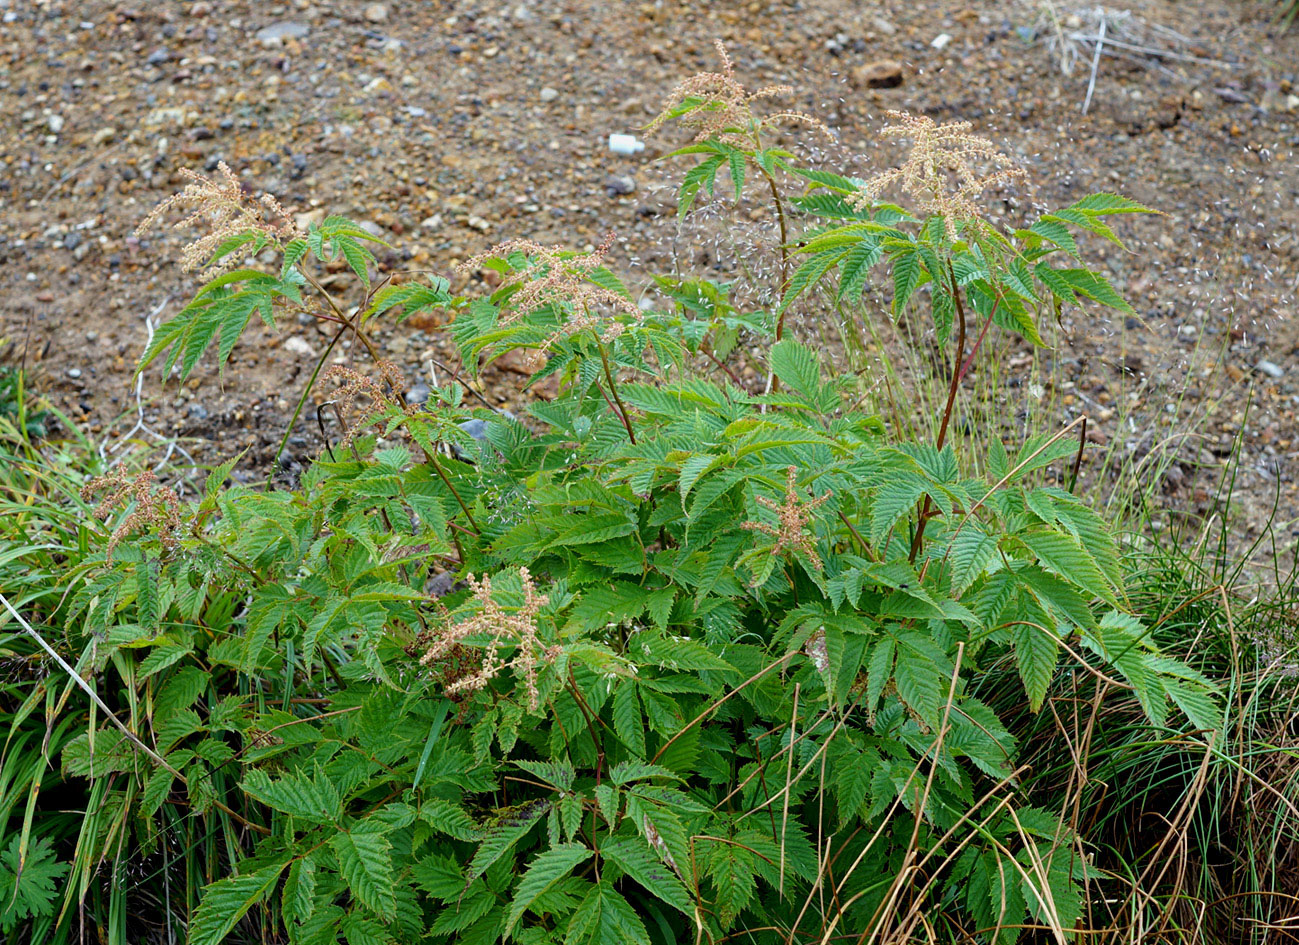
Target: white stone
(296,345)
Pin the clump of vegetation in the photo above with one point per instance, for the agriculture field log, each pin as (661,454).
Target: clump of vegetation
(668,660)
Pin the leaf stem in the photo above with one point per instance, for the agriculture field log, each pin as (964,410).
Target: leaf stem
(613,389)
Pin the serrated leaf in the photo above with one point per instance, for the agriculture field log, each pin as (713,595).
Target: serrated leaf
(498,838)
(633,857)
(1035,658)
(226,901)
(906,277)
(365,864)
(543,872)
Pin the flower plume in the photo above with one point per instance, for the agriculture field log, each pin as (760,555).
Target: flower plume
(229,211)
(940,172)
(715,104)
(518,629)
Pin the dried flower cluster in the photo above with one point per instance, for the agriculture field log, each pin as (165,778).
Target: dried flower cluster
(157,507)
(356,385)
(715,104)
(229,211)
(795,515)
(940,171)
(556,276)
(518,629)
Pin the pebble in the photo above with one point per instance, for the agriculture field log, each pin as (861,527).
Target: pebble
(418,394)
(1270,369)
(275,34)
(74,373)
(475,428)
(941,40)
(620,186)
(478,223)
(884,74)
(104,135)
(548,94)
(296,345)
(158,57)
(377,13)
(55,123)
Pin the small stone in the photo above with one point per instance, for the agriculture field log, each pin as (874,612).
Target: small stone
(1270,369)
(74,373)
(476,428)
(940,41)
(158,57)
(418,394)
(197,412)
(72,240)
(883,26)
(376,13)
(478,223)
(548,94)
(200,9)
(296,345)
(619,186)
(275,34)
(431,223)
(55,123)
(884,74)
(104,135)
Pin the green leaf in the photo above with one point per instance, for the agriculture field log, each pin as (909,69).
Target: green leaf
(226,901)
(365,863)
(633,857)
(605,918)
(797,368)
(893,501)
(315,800)
(627,718)
(736,161)
(1091,285)
(971,551)
(1105,203)
(508,830)
(856,265)
(543,872)
(906,277)
(29,881)
(698,176)
(1064,555)
(1035,658)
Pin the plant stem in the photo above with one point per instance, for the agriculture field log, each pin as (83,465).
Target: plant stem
(958,371)
(613,389)
(433,461)
(784,247)
(311,383)
(355,325)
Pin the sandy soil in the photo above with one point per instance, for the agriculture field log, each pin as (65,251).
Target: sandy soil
(447,126)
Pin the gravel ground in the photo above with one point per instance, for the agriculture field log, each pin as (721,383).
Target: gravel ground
(447,126)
